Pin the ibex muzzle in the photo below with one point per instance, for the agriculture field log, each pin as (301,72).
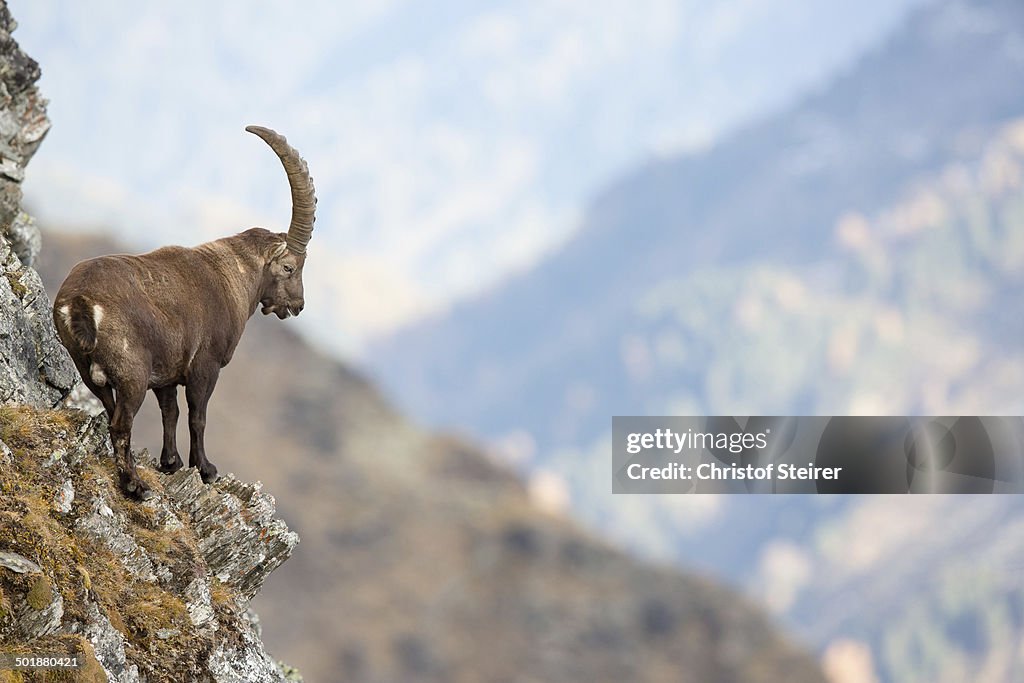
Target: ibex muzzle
(174,316)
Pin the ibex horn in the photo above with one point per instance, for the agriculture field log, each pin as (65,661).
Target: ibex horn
(301,183)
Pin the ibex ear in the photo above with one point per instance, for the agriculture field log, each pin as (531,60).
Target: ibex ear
(277,250)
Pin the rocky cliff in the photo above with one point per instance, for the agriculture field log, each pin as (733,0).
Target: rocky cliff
(157,591)
(34,368)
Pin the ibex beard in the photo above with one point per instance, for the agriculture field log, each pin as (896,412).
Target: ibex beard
(174,316)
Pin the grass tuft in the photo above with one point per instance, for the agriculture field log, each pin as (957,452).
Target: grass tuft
(19,289)
(41,594)
(82,568)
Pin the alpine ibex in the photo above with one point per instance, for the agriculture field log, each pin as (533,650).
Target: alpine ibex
(174,317)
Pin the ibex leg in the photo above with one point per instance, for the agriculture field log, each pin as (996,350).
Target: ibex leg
(197,393)
(167,397)
(129,396)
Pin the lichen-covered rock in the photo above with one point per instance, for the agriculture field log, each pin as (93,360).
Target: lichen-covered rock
(25,239)
(23,120)
(64,497)
(243,662)
(17,563)
(108,644)
(160,590)
(240,539)
(39,611)
(34,367)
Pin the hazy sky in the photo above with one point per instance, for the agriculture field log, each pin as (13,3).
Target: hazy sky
(451,142)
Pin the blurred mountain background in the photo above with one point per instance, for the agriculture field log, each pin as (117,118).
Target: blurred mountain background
(423,560)
(452,143)
(815,208)
(861,252)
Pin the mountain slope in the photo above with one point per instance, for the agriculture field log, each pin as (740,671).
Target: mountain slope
(551,351)
(423,560)
(915,312)
(861,253)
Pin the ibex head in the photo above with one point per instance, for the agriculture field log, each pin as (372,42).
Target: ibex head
(281,290)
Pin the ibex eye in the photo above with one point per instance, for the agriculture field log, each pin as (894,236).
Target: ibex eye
(289,269)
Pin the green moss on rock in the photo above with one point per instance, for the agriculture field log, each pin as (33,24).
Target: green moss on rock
(91,671)
(290,673)
(86,577)
(17,287)
(81,565)
(41,594)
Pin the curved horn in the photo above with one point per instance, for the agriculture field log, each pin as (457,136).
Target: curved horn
(301,183)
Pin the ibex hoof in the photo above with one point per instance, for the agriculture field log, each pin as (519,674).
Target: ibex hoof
(135,488)
(208,474)
(170,466)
